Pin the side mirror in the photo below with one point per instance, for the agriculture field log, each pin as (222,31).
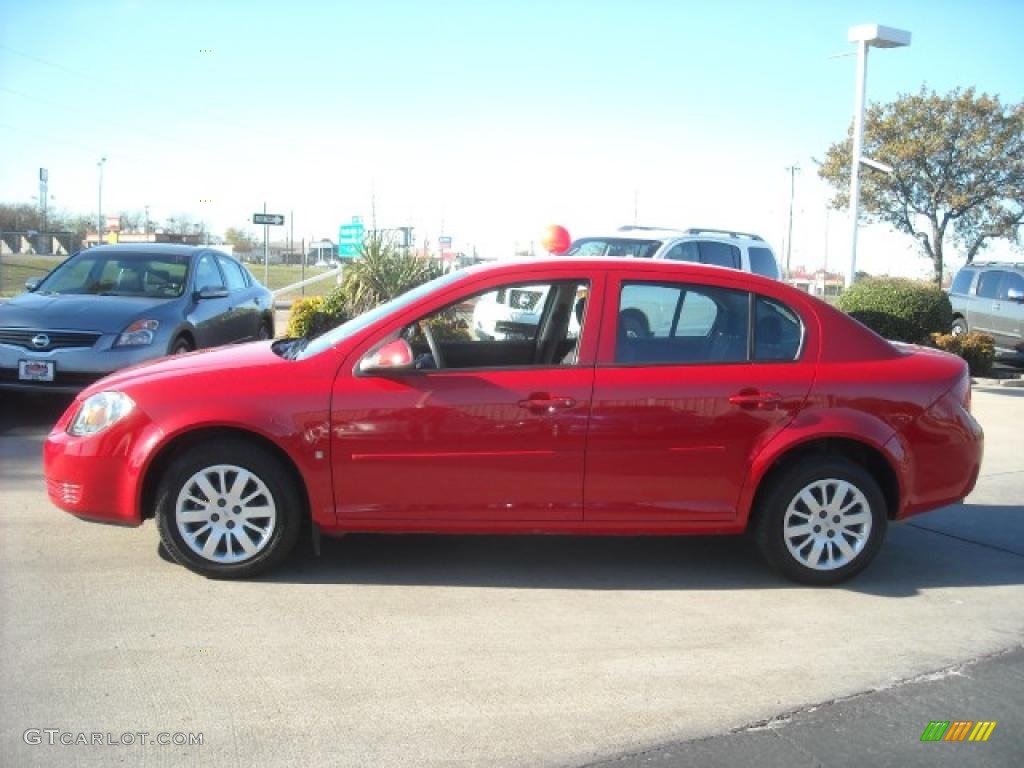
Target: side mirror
(393,357)
(1015,294)
(209,292)
(32,283)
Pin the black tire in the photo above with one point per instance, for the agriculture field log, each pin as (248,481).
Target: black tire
(269,488)
(959,326)
(180,346)
(817,475)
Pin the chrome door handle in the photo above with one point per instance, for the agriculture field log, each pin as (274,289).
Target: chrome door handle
(763,400)
(548,403)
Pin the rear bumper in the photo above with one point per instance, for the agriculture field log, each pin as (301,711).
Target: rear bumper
(943,451)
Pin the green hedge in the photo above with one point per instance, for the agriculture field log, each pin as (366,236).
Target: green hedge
(978,349)
(311,317)
(897,308)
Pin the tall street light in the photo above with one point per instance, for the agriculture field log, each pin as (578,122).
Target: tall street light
(865,36)
(99,204)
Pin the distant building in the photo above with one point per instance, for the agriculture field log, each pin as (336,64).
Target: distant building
(822,284)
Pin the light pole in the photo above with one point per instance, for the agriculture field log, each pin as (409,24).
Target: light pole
(793,170)
(865,36)
(99,204)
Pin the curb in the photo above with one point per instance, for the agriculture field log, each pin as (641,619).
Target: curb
(986,382)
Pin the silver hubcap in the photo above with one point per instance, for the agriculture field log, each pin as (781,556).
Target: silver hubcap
(827,524)
(225,514)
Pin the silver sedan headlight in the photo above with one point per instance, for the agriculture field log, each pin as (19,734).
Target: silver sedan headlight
(138,334)
(99,411)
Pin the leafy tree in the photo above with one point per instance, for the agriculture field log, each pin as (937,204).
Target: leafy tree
(181,224)
(133,221)
(242,241)
(19,217)
(958,169)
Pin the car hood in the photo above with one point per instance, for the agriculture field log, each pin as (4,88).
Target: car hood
(101,314)
(228,365)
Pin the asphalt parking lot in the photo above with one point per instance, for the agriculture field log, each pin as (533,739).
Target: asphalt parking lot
(484,651)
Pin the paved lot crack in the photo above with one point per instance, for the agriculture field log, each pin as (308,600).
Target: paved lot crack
(774,727)
(920,527)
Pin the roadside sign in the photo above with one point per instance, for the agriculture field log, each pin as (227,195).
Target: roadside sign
(444,242)
(350,238)
(277,219)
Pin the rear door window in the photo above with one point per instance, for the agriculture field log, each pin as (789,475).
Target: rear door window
(1012,282)
(681,324)
(988,284)
(778,331)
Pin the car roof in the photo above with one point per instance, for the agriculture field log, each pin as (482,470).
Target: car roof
(167,249)
(603,263)
(994,265)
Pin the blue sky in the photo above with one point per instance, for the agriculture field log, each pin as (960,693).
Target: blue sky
(488,119)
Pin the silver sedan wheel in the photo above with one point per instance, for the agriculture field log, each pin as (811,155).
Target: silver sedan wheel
(225,514)
(827,524)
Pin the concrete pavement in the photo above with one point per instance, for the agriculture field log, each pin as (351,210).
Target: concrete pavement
(519,651)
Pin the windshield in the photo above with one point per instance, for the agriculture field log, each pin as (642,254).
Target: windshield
(356,324)
(123,273)
(622,247)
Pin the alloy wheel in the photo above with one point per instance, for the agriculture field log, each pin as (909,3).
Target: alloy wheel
(225,514)
(827,524)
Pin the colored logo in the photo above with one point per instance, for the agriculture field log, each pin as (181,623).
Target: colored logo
(958,730)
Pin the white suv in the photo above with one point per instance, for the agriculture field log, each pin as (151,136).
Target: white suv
(497,315)
(736,250)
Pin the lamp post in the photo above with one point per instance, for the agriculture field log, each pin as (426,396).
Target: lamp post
(99,204)
(793,170)
(865,36)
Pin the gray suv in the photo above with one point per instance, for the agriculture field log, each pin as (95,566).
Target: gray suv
(988,297)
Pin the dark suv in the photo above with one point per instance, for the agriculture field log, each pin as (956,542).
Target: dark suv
(988,296)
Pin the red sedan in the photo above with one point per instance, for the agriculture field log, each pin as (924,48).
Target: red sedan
(553,396)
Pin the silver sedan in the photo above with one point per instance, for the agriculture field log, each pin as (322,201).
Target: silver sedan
(118,305)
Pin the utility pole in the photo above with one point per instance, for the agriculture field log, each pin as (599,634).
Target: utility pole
(793,170)
(99,205)
(146,207)
(266,252)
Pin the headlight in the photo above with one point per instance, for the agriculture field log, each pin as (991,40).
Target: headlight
(99,411)
(138,334)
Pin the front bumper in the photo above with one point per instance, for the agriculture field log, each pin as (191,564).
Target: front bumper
(99,477)
(74,368)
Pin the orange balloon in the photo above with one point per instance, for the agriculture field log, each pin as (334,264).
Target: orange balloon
(556,240)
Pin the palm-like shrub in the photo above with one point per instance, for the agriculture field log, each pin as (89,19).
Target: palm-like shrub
(381,272)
